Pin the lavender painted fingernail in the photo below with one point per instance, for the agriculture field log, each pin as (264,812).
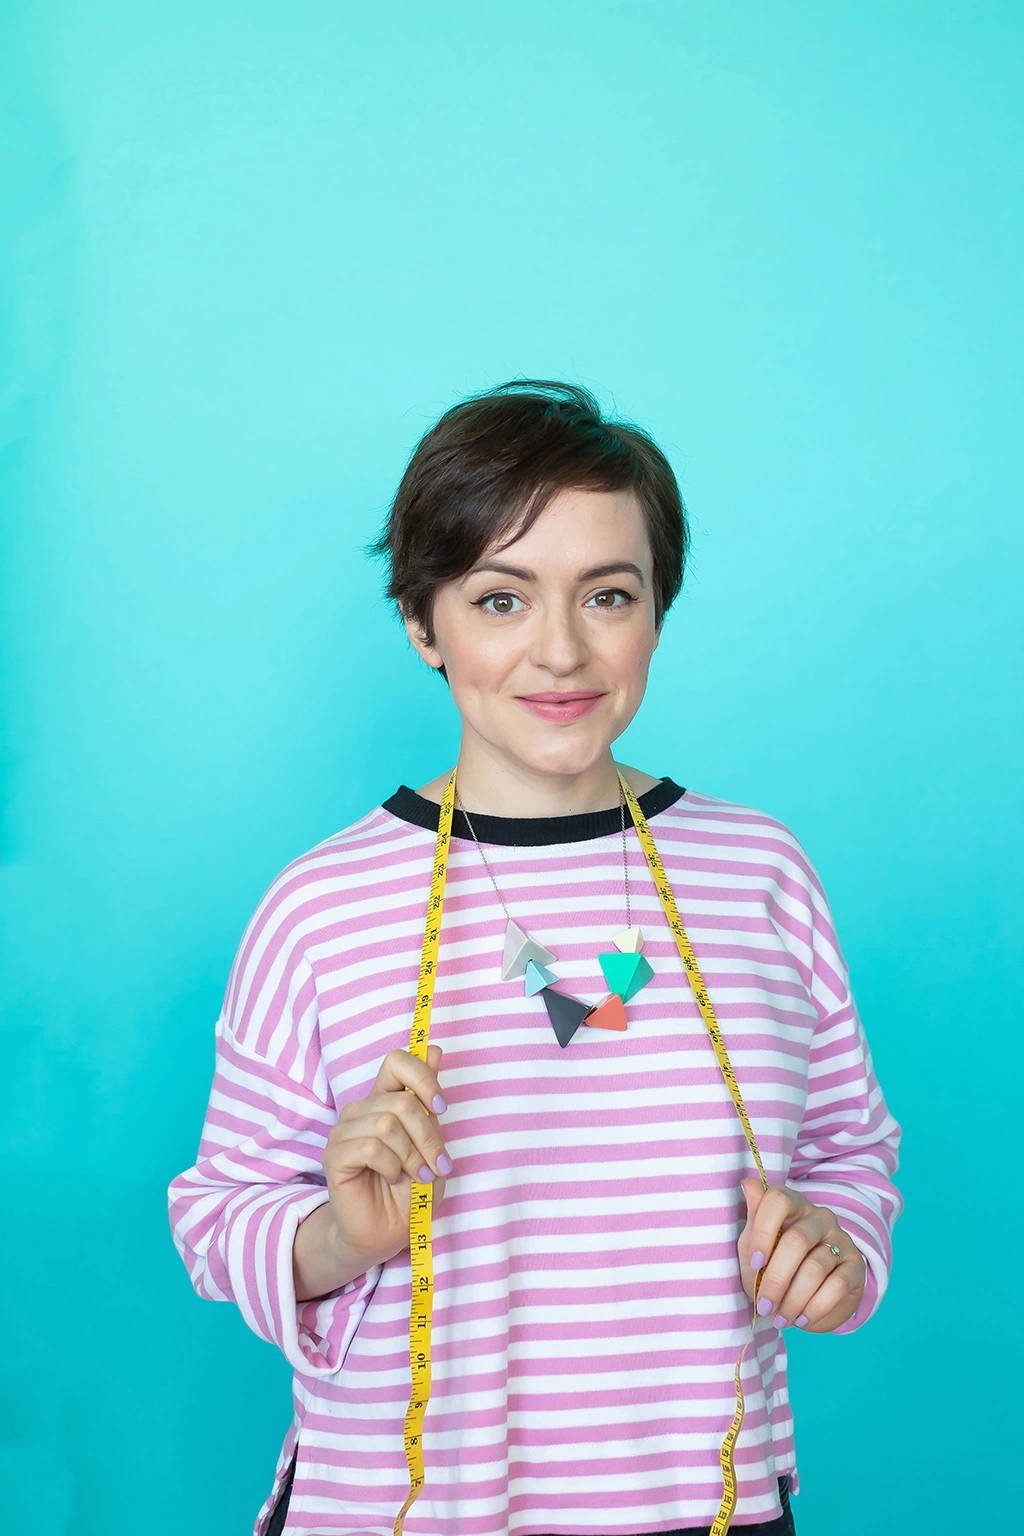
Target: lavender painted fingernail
(439,1103)
(764,1306)
(444,1163)
(757,1259)
(425,1175)
(781,1322)
(802,1320)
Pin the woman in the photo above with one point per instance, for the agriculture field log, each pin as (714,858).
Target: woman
(598,1220)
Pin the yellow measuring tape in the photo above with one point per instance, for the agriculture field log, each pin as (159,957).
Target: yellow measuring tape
(421,1307)
(723,1519)
(421,1206)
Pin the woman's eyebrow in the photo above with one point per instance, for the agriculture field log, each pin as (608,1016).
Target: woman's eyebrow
(611,568)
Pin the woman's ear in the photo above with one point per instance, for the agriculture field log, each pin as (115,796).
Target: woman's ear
(418,639)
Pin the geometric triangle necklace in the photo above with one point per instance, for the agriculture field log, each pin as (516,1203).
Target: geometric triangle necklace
(625,969)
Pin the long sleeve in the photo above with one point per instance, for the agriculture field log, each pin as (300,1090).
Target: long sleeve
(258,1173)
(847,1147)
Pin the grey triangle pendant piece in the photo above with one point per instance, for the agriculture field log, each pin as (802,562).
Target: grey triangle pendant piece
(566,1014)
(519,949)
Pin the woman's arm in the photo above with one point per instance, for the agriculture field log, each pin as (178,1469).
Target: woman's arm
(321,1260)
(289,1204)
(378,1147)
(258,1176)
(255,1181)
(235,1214)
(838,1191)
(847,1149)
(824,1237)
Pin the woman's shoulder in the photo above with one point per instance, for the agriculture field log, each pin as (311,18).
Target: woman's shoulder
(726,831)
(355,867)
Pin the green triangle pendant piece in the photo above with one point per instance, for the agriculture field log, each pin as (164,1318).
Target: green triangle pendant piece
(625,974)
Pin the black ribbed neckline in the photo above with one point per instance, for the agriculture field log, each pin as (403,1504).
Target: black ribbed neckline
(530,831)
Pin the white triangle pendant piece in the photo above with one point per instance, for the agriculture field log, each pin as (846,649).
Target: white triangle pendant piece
(630,941)
(519,950)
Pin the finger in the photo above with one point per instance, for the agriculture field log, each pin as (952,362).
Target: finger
(350,1145)
(401,1069)
(399,1121)
(371,1154)
(779,1205)
(817,1265)
(794,1243)
(423,1129)
(836,1299)
(350,1157)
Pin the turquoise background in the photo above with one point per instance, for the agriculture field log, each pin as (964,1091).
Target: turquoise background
(249,252)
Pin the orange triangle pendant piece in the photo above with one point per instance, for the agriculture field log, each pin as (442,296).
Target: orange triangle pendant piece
(611,1014)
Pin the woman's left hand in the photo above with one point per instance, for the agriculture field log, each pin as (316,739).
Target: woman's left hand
(804,1281)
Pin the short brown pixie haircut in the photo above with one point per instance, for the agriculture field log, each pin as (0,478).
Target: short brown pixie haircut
(489,467)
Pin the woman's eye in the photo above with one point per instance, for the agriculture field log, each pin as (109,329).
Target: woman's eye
(501,598)
(501,602)
(598,597)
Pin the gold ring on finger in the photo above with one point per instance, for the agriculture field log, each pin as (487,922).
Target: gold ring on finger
(834,1249)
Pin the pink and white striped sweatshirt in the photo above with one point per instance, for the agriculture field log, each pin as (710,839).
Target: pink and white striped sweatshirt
(588,1311)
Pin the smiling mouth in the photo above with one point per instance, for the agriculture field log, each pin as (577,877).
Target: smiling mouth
(560,707)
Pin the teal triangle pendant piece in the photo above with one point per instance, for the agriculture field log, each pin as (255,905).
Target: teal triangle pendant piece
(566,1014)
(625,974)
(537,976)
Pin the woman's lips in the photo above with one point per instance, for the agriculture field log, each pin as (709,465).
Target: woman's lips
(562,710)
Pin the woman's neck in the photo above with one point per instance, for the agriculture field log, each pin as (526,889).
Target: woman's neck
(494,788)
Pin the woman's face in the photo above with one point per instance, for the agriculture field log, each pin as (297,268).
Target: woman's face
(568,609)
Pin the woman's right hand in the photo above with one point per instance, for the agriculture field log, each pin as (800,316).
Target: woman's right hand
(380,1145)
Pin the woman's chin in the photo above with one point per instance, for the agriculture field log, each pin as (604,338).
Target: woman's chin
(539,753)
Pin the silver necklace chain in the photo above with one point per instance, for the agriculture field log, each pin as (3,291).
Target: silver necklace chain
(625,857)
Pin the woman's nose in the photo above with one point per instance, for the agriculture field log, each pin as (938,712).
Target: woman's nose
(559,642)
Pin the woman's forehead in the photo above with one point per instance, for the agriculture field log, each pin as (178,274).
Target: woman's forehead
(575,527)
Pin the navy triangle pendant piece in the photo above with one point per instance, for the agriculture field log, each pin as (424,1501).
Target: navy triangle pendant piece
(566,1014)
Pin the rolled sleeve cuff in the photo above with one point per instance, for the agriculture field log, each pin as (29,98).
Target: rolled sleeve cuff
(255,1261)
(859,1227)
